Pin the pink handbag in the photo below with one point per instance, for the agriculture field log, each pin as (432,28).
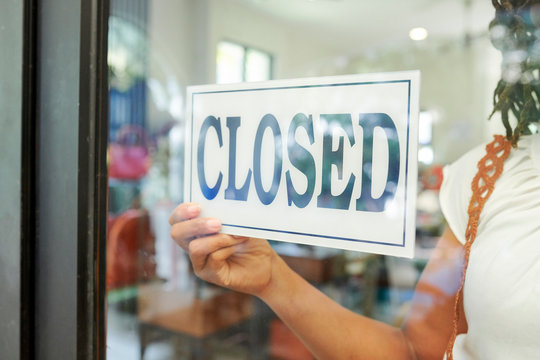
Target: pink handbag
(129,158)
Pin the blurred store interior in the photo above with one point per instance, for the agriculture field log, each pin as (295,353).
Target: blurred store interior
(157,308)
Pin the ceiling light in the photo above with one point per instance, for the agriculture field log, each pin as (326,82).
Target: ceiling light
(418,33)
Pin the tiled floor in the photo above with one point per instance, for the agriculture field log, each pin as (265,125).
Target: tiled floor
(123,339)
(123,342)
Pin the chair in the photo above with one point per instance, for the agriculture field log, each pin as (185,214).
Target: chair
(130,250)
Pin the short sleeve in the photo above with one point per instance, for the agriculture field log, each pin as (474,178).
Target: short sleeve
(456,191)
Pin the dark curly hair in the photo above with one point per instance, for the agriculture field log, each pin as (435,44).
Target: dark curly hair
(515,32)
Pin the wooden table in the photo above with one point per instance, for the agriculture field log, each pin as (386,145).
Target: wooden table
(170,311)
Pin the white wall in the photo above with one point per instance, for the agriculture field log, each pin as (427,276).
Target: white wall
(173,62)
(457,80)
(183,37)
(295,52)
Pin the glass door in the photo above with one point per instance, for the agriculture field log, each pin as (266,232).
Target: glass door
(156,307)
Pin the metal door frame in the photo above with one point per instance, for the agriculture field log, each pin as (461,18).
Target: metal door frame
(54,216)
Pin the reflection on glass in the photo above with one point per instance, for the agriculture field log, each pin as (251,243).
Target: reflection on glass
(230,63)
(425,127)
(237,63)
(258,65)
(157,307)
(425,155)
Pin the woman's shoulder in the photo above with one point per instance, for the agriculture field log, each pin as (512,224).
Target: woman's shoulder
(522,165)
(456,190)
(526,155)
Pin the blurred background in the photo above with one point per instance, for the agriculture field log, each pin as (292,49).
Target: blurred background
(157,309)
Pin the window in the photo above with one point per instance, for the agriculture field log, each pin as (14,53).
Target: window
(425,132)
(237,63)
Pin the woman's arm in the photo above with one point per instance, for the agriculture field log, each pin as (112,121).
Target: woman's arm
(329,330)
(429,323)
(333,332)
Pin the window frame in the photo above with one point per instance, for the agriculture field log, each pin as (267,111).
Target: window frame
(246,48)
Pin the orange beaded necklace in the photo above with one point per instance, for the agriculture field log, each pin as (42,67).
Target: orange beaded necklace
(490,167)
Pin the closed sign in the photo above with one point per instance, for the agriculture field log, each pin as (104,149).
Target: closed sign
(323,161)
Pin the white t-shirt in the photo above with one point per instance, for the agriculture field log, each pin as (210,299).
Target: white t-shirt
(502,286)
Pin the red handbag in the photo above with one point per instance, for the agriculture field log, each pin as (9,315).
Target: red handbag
(129,158)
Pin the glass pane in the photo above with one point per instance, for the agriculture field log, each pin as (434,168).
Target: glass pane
(258,65)
(425,127)
(230,63)
(157,307)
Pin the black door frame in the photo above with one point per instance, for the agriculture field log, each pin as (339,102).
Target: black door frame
(63,180)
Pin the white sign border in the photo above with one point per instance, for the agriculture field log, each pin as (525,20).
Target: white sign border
(412,78)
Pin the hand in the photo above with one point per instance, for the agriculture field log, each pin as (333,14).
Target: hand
(238,263)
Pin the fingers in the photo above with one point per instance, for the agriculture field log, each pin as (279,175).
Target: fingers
(184,231)
(217,247)
(183,212)
(199,237)
(223,253)
(214,268)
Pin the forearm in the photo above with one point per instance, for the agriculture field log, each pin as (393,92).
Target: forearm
(329,330)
